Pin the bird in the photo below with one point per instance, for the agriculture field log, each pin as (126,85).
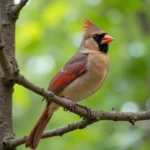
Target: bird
(79,78)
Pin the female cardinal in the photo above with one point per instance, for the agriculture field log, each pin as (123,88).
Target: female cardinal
(80,77)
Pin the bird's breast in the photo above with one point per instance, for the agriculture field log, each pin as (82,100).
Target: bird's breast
(90,81)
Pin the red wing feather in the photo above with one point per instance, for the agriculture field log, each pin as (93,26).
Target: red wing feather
(60,81)
(75,67)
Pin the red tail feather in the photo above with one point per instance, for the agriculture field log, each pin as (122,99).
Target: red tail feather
(34,137)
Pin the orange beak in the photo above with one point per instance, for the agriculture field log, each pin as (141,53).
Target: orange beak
(107,39)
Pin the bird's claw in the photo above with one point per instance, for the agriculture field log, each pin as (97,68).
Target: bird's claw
(71,105)
(89,112)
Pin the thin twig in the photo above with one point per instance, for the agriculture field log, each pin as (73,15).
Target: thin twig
(16,8)
(55,132)
(114,116)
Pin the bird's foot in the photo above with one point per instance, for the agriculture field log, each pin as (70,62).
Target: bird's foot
(71,105)
(89,112)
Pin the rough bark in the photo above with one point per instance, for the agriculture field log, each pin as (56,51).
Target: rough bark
(7,27)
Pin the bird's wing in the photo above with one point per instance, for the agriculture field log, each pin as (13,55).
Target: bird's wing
(75,67)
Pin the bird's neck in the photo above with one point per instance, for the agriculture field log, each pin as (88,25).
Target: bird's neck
(83,49)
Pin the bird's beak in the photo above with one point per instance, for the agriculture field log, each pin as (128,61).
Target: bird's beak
(106,39)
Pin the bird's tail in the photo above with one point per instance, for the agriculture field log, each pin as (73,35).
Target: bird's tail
(35,135)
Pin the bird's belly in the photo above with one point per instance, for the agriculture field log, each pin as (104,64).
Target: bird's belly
(84,85)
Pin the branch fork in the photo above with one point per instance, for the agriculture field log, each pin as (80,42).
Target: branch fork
(15,9)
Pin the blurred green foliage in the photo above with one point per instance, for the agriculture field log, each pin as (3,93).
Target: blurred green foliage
(48,33)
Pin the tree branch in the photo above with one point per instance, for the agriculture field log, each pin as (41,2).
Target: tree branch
(55,132)
(114,116)
(17,8)
(50,96)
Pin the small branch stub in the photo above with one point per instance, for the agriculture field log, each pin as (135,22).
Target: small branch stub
(6,141)
(9,70)
(4,62)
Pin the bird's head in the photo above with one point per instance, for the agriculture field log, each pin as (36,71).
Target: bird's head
(94,38)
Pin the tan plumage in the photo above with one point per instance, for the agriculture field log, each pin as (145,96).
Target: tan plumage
(80,77)
(89,82)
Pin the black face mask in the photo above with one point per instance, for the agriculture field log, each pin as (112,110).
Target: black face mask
(98,38)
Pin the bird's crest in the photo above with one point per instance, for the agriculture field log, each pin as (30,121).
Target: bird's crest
(87,24)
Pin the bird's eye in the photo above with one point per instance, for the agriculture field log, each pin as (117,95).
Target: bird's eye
(96,37)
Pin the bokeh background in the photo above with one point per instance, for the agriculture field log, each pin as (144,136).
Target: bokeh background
(48,33)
